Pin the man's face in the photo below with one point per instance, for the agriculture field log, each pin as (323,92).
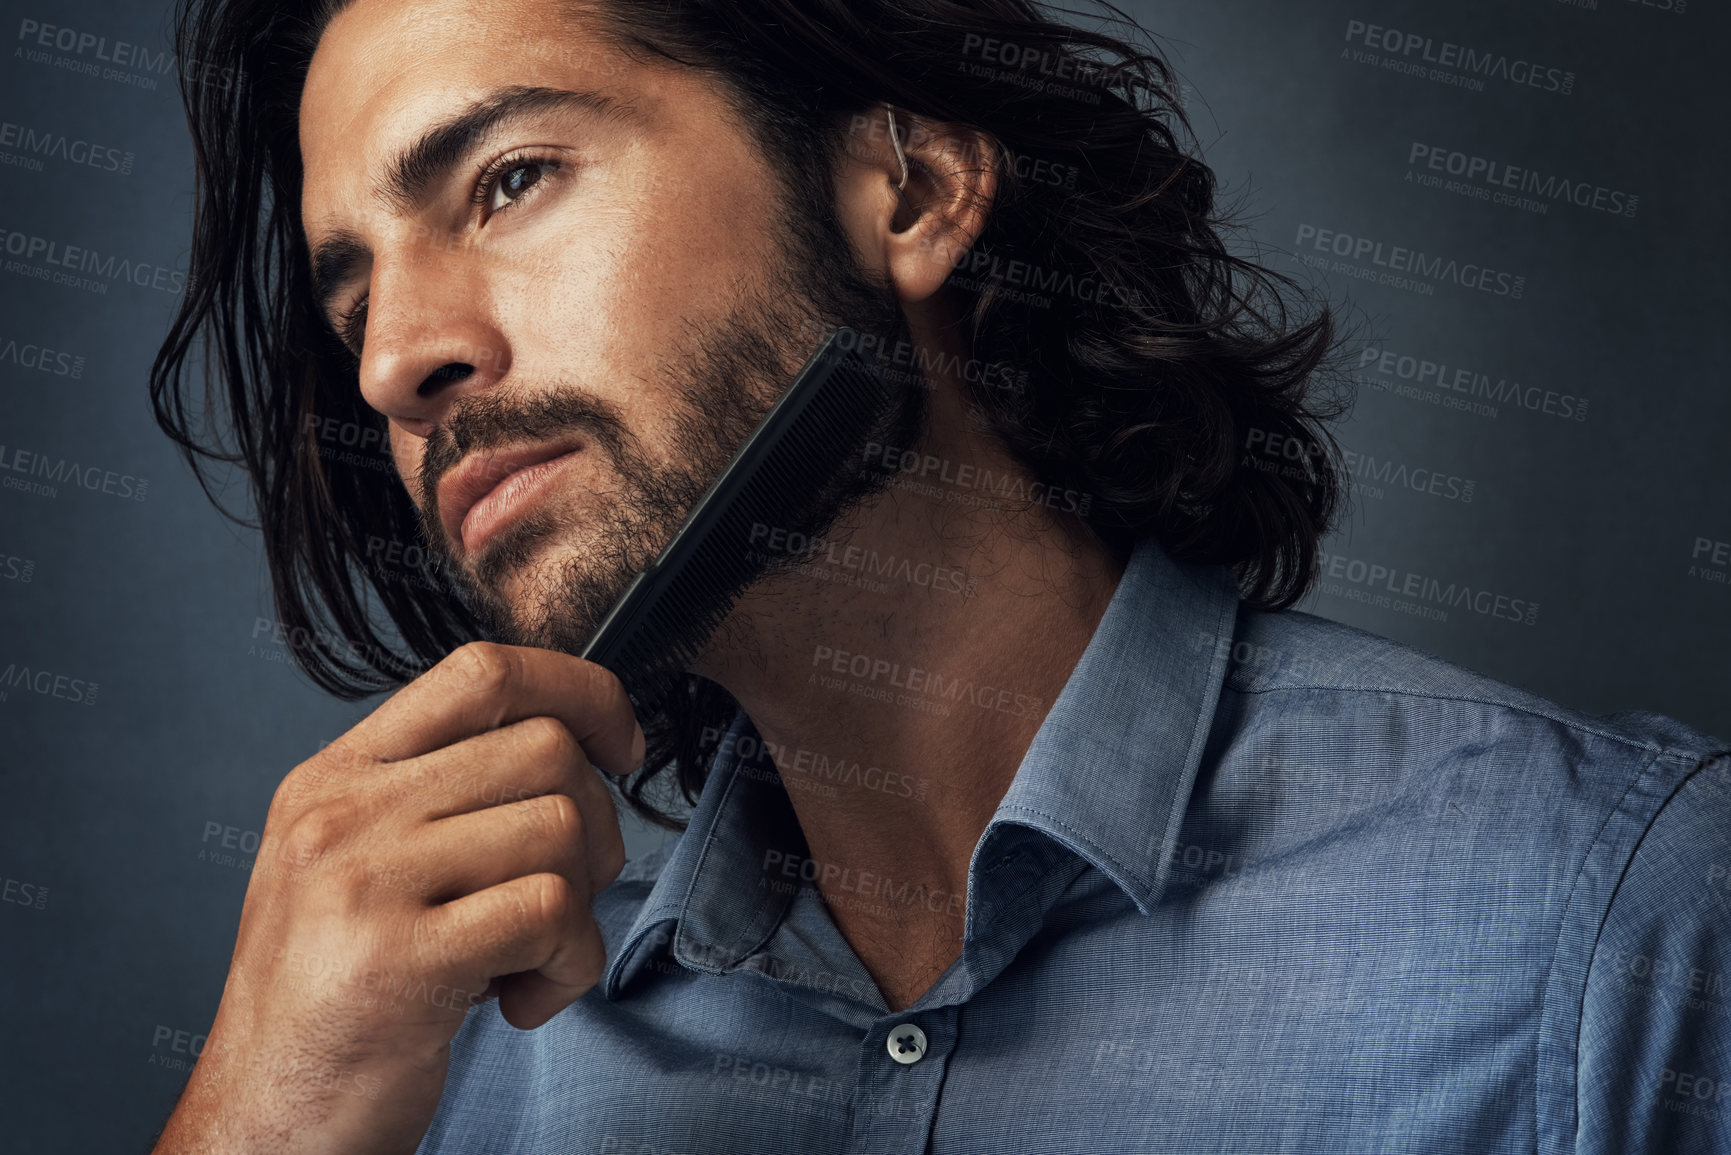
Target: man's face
(576,305)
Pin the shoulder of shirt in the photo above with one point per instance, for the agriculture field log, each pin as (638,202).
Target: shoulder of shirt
(1277,652)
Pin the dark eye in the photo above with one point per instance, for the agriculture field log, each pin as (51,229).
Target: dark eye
(514,182)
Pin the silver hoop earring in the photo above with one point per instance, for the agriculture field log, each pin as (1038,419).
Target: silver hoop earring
(895,139)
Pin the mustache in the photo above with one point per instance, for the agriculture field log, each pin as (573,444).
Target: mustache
(493,420)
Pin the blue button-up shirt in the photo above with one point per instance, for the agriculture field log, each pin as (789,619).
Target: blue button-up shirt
(1262,883)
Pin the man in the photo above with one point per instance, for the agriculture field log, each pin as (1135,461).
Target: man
(1024,818)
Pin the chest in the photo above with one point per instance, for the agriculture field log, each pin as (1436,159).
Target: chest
(1120,1037)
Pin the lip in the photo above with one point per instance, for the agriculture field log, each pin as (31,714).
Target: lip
(486,488)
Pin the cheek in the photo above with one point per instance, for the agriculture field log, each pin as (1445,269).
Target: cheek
(643,252)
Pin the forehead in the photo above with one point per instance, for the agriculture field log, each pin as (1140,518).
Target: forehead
(384,69)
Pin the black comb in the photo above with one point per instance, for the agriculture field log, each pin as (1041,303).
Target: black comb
(773,481)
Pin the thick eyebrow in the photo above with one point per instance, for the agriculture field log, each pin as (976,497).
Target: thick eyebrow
(411,177)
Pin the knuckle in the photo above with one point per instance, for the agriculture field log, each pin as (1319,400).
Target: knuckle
(550,899)
(481,667)
(549,738)
(311,835)
(562,819)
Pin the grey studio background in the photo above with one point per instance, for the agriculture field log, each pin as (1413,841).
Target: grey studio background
(1520,199)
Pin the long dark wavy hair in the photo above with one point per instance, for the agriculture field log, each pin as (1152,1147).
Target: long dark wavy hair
(1144,352)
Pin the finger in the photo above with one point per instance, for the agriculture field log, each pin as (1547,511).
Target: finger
(536,923)
(529,759)
(531,999)
(483,685)
(549,834)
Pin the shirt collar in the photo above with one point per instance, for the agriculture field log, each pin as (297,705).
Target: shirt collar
(1108,774)
(710,884)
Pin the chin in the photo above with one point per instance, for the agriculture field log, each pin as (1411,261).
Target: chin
(554,592)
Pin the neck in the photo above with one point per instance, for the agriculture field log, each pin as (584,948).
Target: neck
(898,678)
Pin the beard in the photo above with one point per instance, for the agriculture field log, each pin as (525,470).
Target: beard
(724,376)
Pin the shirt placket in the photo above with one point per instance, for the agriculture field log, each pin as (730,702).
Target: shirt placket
(901,1074)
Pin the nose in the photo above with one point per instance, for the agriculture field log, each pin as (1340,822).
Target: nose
(430,340)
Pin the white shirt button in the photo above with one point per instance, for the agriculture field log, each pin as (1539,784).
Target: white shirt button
(907,1043)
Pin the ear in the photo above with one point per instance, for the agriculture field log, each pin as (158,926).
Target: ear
(916,236)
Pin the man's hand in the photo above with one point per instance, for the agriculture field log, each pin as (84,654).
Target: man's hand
(444,850)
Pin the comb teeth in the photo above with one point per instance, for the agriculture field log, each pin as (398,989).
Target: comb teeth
(654,629)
